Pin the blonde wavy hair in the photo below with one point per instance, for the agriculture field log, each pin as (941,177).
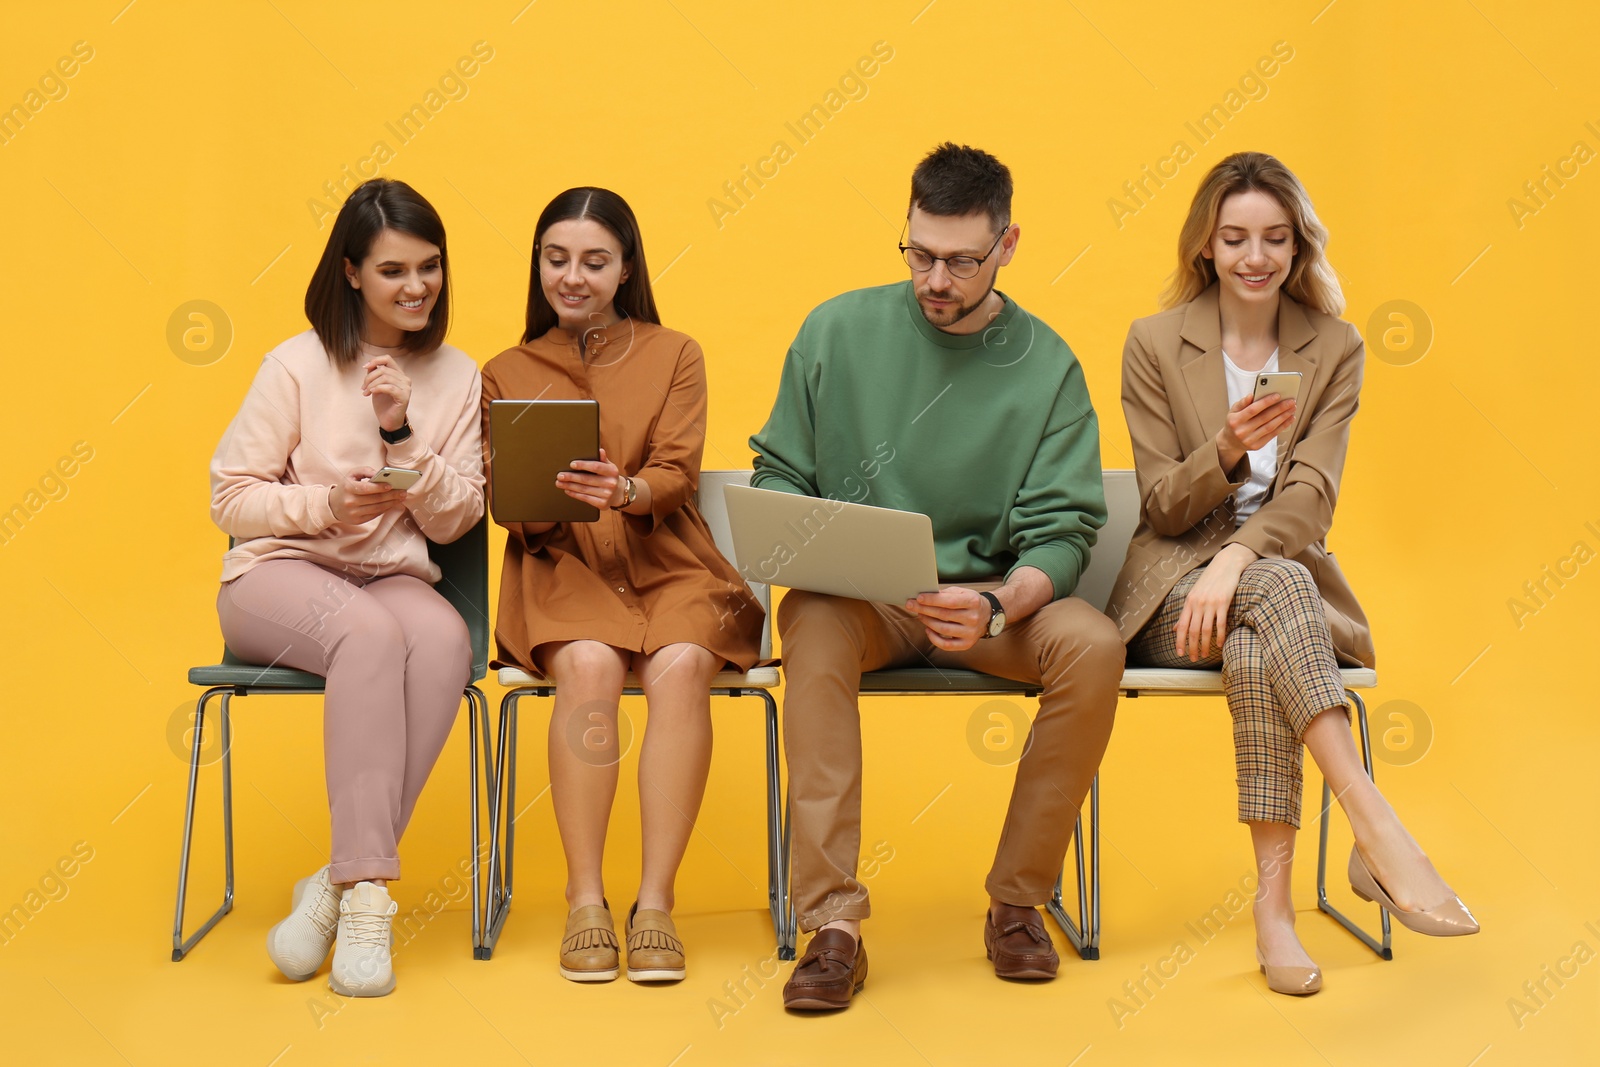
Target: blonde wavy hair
(1311,278)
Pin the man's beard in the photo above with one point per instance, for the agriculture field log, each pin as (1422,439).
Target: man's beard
(951,315)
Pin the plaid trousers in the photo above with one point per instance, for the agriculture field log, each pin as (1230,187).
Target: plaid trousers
(1278,671)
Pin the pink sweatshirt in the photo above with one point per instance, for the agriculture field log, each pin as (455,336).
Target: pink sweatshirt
(304,424)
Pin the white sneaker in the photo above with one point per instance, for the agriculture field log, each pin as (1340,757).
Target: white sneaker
(362,966)
(299,944)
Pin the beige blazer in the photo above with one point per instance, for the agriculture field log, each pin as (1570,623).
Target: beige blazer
(1175,396)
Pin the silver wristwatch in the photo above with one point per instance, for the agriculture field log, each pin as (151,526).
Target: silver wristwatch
(997,617)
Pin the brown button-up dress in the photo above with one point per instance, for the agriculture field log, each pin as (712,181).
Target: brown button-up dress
(635,582)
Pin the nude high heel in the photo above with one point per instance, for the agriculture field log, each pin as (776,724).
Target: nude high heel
(1290,981)
(1449,919)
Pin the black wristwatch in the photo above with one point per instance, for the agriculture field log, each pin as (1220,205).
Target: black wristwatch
(394,437)
(997,617)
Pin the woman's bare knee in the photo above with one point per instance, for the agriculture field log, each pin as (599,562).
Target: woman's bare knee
(587,664)
(677,668)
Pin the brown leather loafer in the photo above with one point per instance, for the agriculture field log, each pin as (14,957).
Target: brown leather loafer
(832,971)
(1016,940)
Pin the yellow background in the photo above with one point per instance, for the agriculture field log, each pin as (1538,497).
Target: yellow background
(178,166)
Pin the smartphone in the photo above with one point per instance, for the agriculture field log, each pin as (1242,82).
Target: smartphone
(401,478)
(1285,383)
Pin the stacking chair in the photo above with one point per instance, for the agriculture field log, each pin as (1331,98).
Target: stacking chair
(1122,502)
(757,682)
(465,584)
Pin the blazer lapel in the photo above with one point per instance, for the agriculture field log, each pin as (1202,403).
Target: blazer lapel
(1201,360)
(1295,334)
(1296,352)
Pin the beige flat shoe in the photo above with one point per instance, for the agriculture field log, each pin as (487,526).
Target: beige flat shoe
(654,952)
(1290,981)
(589,949)
(1449,919)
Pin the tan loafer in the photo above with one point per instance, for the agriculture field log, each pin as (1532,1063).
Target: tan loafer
(654,952)
(589,949)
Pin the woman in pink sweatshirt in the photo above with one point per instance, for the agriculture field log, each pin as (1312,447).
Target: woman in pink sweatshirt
(330,573)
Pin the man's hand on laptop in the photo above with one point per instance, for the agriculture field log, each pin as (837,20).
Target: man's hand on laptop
(954,617)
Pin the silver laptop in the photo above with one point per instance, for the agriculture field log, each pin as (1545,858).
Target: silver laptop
(831,546)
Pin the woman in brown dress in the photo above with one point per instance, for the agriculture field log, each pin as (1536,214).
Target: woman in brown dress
(643,589)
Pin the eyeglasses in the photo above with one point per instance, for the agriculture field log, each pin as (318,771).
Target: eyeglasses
(958,266)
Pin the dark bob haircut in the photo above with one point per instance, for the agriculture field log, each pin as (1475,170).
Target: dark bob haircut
(334,306)
(955,180)
(634,298)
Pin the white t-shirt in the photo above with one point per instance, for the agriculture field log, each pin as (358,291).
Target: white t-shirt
(1264,460)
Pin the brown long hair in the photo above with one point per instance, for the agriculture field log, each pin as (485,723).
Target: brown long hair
(334,306)
(1311,278)
(634,298)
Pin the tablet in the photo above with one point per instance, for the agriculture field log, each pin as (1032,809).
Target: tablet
(530,442)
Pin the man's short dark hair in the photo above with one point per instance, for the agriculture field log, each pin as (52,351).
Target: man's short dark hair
(956,180)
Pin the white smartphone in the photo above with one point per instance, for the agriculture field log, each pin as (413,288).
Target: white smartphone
(401,478)
(1285,383)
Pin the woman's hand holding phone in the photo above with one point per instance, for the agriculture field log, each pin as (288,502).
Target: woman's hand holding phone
(359,499)
(1250,425)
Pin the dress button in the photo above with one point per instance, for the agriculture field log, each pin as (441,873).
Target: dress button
(607,542)
(622,589)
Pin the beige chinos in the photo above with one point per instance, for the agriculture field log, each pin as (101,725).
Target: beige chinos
(1073,651)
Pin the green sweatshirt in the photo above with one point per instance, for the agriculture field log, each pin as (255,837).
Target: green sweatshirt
(989,434)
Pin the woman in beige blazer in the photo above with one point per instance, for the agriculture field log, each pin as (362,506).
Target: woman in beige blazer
(1228,566)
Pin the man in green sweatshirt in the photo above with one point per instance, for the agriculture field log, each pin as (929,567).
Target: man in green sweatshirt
(940,395)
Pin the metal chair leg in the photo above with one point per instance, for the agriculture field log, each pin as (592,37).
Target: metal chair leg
(1382,948)
(785,925)
(1084,934)
(790,935)
(1094,863)
(778,902)
(181,947)
(477,709)
(496,806)
(502,822)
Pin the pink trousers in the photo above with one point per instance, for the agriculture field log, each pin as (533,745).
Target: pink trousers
(396,657)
